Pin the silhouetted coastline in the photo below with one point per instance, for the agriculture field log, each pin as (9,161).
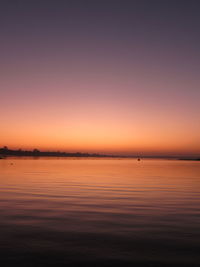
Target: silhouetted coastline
(4,152)
(198,159)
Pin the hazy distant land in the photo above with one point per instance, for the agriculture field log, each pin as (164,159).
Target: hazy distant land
(198,159)
(6,152)
(37,153)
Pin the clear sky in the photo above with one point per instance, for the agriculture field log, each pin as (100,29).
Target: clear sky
(101,76)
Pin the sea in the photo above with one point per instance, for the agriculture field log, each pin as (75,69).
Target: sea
(99,212)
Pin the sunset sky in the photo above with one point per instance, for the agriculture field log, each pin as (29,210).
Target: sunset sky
(102,76)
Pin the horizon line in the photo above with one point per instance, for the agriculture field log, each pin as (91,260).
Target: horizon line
(56,153)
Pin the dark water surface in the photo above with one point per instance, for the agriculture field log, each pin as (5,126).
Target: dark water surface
(102,212)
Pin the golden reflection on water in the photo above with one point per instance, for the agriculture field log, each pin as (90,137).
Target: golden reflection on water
(102,184)
(140,202)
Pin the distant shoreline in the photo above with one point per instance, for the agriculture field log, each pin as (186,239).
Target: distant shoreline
(5,152)
(98,157)
(190,159)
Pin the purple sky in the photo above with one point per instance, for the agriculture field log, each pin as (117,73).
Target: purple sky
(108,76)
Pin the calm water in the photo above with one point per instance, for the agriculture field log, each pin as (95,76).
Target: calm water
(58,212)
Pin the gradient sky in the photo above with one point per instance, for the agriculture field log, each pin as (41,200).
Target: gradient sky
(101,76)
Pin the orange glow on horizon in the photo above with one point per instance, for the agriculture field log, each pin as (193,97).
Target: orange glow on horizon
(128,83)
(105,135)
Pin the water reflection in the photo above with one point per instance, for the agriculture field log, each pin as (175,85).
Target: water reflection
(99,211)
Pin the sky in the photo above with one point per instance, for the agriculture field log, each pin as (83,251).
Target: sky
(107,76)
